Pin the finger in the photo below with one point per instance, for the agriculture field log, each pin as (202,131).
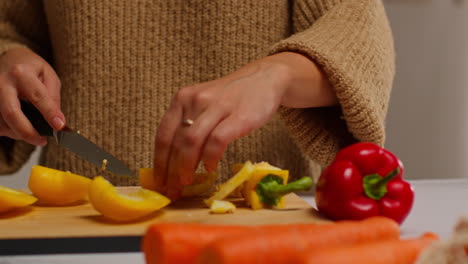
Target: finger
(187,144)
(163,143)
(228,130)
(6,131)
(36,92)
(11,113)
(52,84)
(174,192)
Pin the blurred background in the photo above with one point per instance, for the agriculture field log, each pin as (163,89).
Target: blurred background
(427,120)
(426,123)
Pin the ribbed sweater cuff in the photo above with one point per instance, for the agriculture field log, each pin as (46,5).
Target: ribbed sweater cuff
(319,132)
(352,43)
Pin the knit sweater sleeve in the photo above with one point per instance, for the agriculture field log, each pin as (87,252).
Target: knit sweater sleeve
(352,42)
(22,24)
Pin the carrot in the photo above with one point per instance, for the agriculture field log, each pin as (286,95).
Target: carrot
(380,252)
(167,243)
(182,242)
(284,244)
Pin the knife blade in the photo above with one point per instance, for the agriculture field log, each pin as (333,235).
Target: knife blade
(75,142)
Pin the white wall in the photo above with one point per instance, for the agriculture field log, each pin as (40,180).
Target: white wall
(426,123)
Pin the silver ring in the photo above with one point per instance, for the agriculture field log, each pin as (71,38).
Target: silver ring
(187,122)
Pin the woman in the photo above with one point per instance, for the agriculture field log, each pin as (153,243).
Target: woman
(217,82)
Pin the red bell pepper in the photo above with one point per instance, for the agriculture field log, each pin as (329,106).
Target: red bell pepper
(364,180)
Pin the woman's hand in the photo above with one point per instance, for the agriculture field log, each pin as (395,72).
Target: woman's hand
(25,75)
(204,118)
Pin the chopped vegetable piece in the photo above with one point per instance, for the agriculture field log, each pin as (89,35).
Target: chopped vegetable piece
(267,186)
(249,188)
(11,199)
(124,207)
(56,187)
(202,183)
(228,187)
(222,207)
(271,188)
(104,165)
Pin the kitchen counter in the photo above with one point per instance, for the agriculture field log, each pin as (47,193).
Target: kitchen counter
(438,205)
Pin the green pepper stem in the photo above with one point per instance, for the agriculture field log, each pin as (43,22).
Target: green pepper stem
(375,186)
(387,178)
(278,190)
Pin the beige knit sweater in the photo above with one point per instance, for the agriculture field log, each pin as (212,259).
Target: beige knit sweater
(121,62)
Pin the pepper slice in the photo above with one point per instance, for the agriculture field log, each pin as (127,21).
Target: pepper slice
(249,189)
(272,189)
(364,180)
(124,207)
(222,207)
(267,185)
(202,183)
(11,199)
(56,187)
(232,184)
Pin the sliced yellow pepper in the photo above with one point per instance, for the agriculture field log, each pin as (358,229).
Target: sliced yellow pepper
(222,207)
(106,199)
(11,199)
(249,190)
(146,179)
(56,187)
(202,184)
(228,187)
(267,185)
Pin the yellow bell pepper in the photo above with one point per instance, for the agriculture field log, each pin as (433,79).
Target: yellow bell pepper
(222,207)
(249,189)
(11,199)
(202,184)
(228,187)
(271,190)
(106,199)
(261,185)
(56,187)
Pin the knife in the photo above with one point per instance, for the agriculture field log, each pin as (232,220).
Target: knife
(76,143)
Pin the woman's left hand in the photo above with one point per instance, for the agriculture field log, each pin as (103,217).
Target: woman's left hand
(204,118)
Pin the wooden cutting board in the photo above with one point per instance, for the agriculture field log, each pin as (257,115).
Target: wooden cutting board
(38,226)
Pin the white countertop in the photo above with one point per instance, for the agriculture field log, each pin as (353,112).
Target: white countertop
(438,205)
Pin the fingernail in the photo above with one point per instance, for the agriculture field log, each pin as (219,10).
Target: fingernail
(58,123)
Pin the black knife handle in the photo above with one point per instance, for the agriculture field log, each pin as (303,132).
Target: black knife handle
(37,120)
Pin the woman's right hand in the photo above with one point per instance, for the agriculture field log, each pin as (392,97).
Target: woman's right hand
(25,75)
